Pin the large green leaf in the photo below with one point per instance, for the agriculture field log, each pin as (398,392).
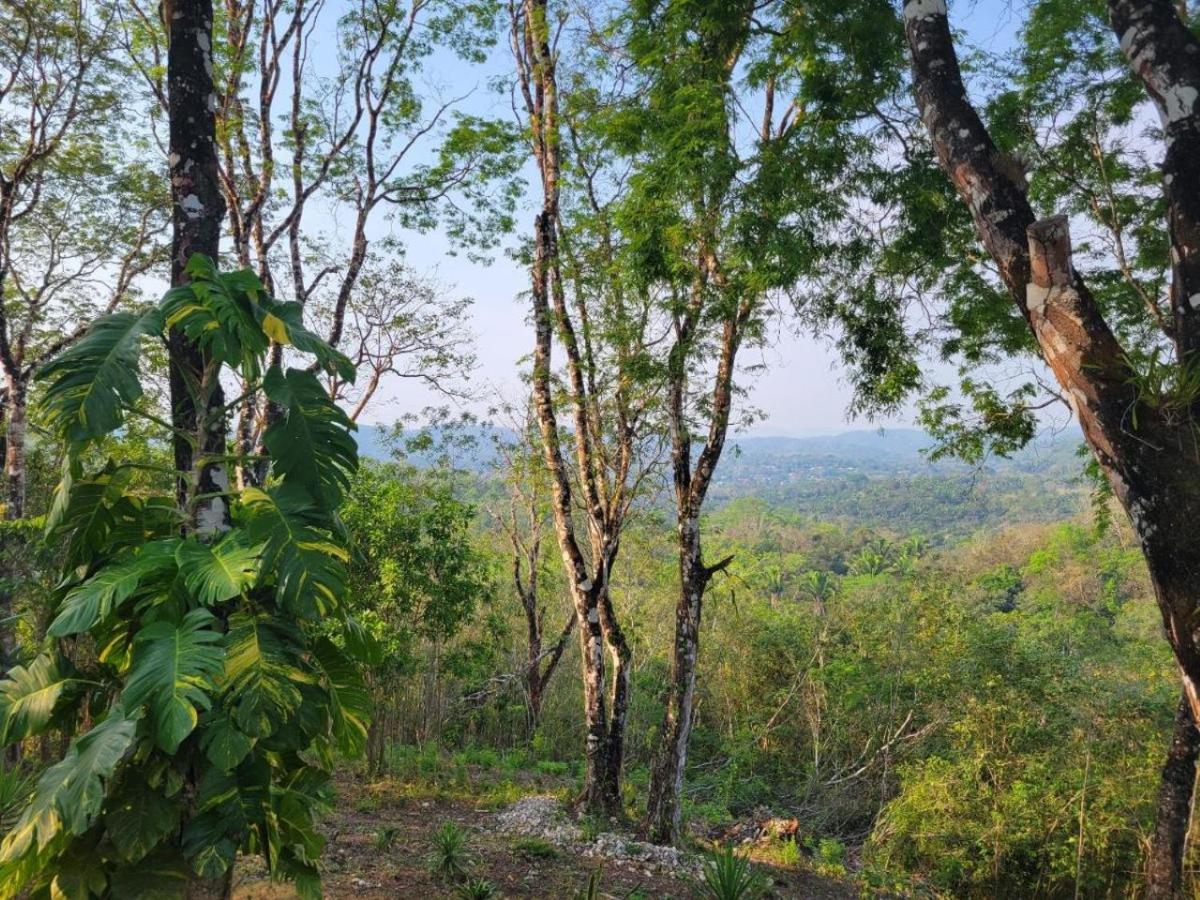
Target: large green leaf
(220,314)
(308,564)
(79,874)
(310,443)
(163,875)
(29,698)
(284,324)
(69,794)
(92,381)
(138,817)
(172,671)
(219,571)
(263,671)
(86,513)
(96,598)
(223,744)
(349,701)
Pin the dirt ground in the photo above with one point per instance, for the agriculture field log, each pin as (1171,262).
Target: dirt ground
(356,865)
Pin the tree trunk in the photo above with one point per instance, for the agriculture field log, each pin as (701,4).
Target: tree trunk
(219,888)
(14,448)
(197,210)
(619,656)
(600,793)
(1148,458)
(664,811)
(14,469)
(1168,847)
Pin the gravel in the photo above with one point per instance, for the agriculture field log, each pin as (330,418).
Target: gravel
(545,817)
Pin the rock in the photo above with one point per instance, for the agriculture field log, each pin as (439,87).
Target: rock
(544,817)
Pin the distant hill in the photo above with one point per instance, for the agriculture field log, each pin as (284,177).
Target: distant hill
(873,452)
(880,479)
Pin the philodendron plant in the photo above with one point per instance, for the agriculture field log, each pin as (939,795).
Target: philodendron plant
(214,665)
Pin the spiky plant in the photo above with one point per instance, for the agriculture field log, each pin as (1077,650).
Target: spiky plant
(448,857)
(729,876)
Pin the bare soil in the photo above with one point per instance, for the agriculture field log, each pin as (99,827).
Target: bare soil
(358,865)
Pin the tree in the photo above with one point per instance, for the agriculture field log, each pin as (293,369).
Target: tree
(322,111)
(734,196)
(79,225)
(605,331)
(414,576)
(524,527)
(400,325)
(1126,369)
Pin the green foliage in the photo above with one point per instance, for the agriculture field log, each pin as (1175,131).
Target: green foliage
(15,788)
(729,876)
(448,858)
(219,703)
(476,889)
(385,837)
(534,848)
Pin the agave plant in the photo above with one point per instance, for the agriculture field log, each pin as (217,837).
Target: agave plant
(448,859)
(729,876)
(223,680)
(476,889)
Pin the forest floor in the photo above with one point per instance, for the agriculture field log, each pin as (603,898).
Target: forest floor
(381,832)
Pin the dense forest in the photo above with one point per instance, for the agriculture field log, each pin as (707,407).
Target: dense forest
(590,634)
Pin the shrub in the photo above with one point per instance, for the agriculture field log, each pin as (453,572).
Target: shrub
(729,876)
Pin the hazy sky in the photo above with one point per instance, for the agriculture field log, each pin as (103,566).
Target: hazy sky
(802,389)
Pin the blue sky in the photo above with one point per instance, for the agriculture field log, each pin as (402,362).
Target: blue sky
(802,390)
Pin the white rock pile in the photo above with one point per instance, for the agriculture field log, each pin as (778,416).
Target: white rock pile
(544,817)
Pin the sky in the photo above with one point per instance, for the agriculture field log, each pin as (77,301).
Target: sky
(802,390)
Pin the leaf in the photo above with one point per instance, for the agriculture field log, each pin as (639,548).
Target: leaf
(93,380)
(220,314)
(29,698)
(262,673)
(224,745)
(310,444)
(95,599)
(360,643)
(350,704)
(69,794)
(163,875)
(214,573)
(284,324)
(307,565)
(172,671)
(87,515)
(78,875)
(138,817)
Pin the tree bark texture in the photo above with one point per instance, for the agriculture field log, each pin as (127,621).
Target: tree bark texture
(1164,867)
(198,207)
(664,809)
(197,210)
(1148,455)
(14,448)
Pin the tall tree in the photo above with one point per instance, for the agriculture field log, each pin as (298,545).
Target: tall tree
(524,525)
(322,112)
(742,145)
(604,331)
(1122,358)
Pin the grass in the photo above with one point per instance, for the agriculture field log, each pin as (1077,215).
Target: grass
(532,848)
